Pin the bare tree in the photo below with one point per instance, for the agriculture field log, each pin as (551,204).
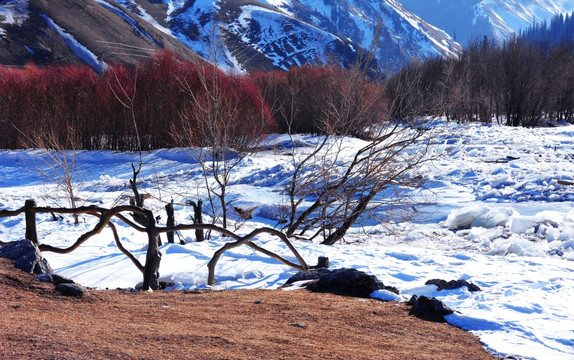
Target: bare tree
(333,184)
(58,161)
(222,124)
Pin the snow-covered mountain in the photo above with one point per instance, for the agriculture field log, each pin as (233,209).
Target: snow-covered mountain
(239,34)
(257,34)
(284,33)
(466,20)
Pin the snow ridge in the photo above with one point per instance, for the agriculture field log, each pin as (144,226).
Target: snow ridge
(79,50)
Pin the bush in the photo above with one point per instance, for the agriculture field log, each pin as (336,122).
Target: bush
(320,100)
(124,108)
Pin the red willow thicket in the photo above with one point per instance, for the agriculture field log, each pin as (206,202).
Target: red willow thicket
(128,108)
(37,100)
(119,109)
(318,100)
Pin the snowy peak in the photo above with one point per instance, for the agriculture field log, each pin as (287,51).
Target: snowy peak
(466,20)
(249,35)
(283,33)
(510,16)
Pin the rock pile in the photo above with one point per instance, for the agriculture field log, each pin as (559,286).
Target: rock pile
(27,257)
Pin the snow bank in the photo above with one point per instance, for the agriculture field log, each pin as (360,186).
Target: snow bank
(503,231)
(478,216)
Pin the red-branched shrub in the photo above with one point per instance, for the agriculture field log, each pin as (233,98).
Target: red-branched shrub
(165,101)
(126,108)
(41,100)
(319,100)
(222,109)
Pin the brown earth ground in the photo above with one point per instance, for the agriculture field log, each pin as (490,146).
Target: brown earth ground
(38,323)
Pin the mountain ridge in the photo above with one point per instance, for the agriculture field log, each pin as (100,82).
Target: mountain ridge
(496,19)
(241,35)
(250,35)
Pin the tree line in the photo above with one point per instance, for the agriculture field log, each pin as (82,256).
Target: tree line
(152,105)
(518,83)
(558,32)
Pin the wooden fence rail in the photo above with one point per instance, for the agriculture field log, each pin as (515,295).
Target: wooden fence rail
(150,269)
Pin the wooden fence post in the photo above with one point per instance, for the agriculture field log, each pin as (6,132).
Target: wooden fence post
(197,219)
(30,216)
(170,221)
(153,257)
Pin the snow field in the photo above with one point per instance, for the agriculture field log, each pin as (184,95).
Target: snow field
(501,216)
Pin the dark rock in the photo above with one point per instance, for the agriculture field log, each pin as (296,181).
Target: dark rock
(44,278)
(42,267)
(59,279)
(453,284)
(27,257)
(429,306)
(348,282)
(303,326)
(306,275)
(54,279)
(72,289)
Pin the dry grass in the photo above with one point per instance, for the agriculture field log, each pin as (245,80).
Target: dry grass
(38,323)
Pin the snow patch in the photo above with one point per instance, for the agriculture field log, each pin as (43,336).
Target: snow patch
(80,50)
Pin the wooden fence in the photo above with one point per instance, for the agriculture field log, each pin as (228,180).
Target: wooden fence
(150,269)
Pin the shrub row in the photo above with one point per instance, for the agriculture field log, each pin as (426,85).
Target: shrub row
(150,106)
(118,110)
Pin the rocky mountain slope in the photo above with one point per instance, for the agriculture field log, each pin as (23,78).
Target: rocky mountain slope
(282,33)
(60,32)
(238,34)
(247,35)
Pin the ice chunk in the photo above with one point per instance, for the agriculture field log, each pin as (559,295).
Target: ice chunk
(461,218)
(493,218)
(525,247)
(520,224)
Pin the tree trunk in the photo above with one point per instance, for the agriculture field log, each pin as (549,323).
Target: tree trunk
(342,230)
(197,219)
(138,199)
(153,257)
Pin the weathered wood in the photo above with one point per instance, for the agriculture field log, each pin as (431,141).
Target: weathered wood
(245,240)
(198,219)
(30,215)
(153,257)
(120,246)
(105,218)
(357,211)
(170,221)
(322,263)
(10,213)
(138,199)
